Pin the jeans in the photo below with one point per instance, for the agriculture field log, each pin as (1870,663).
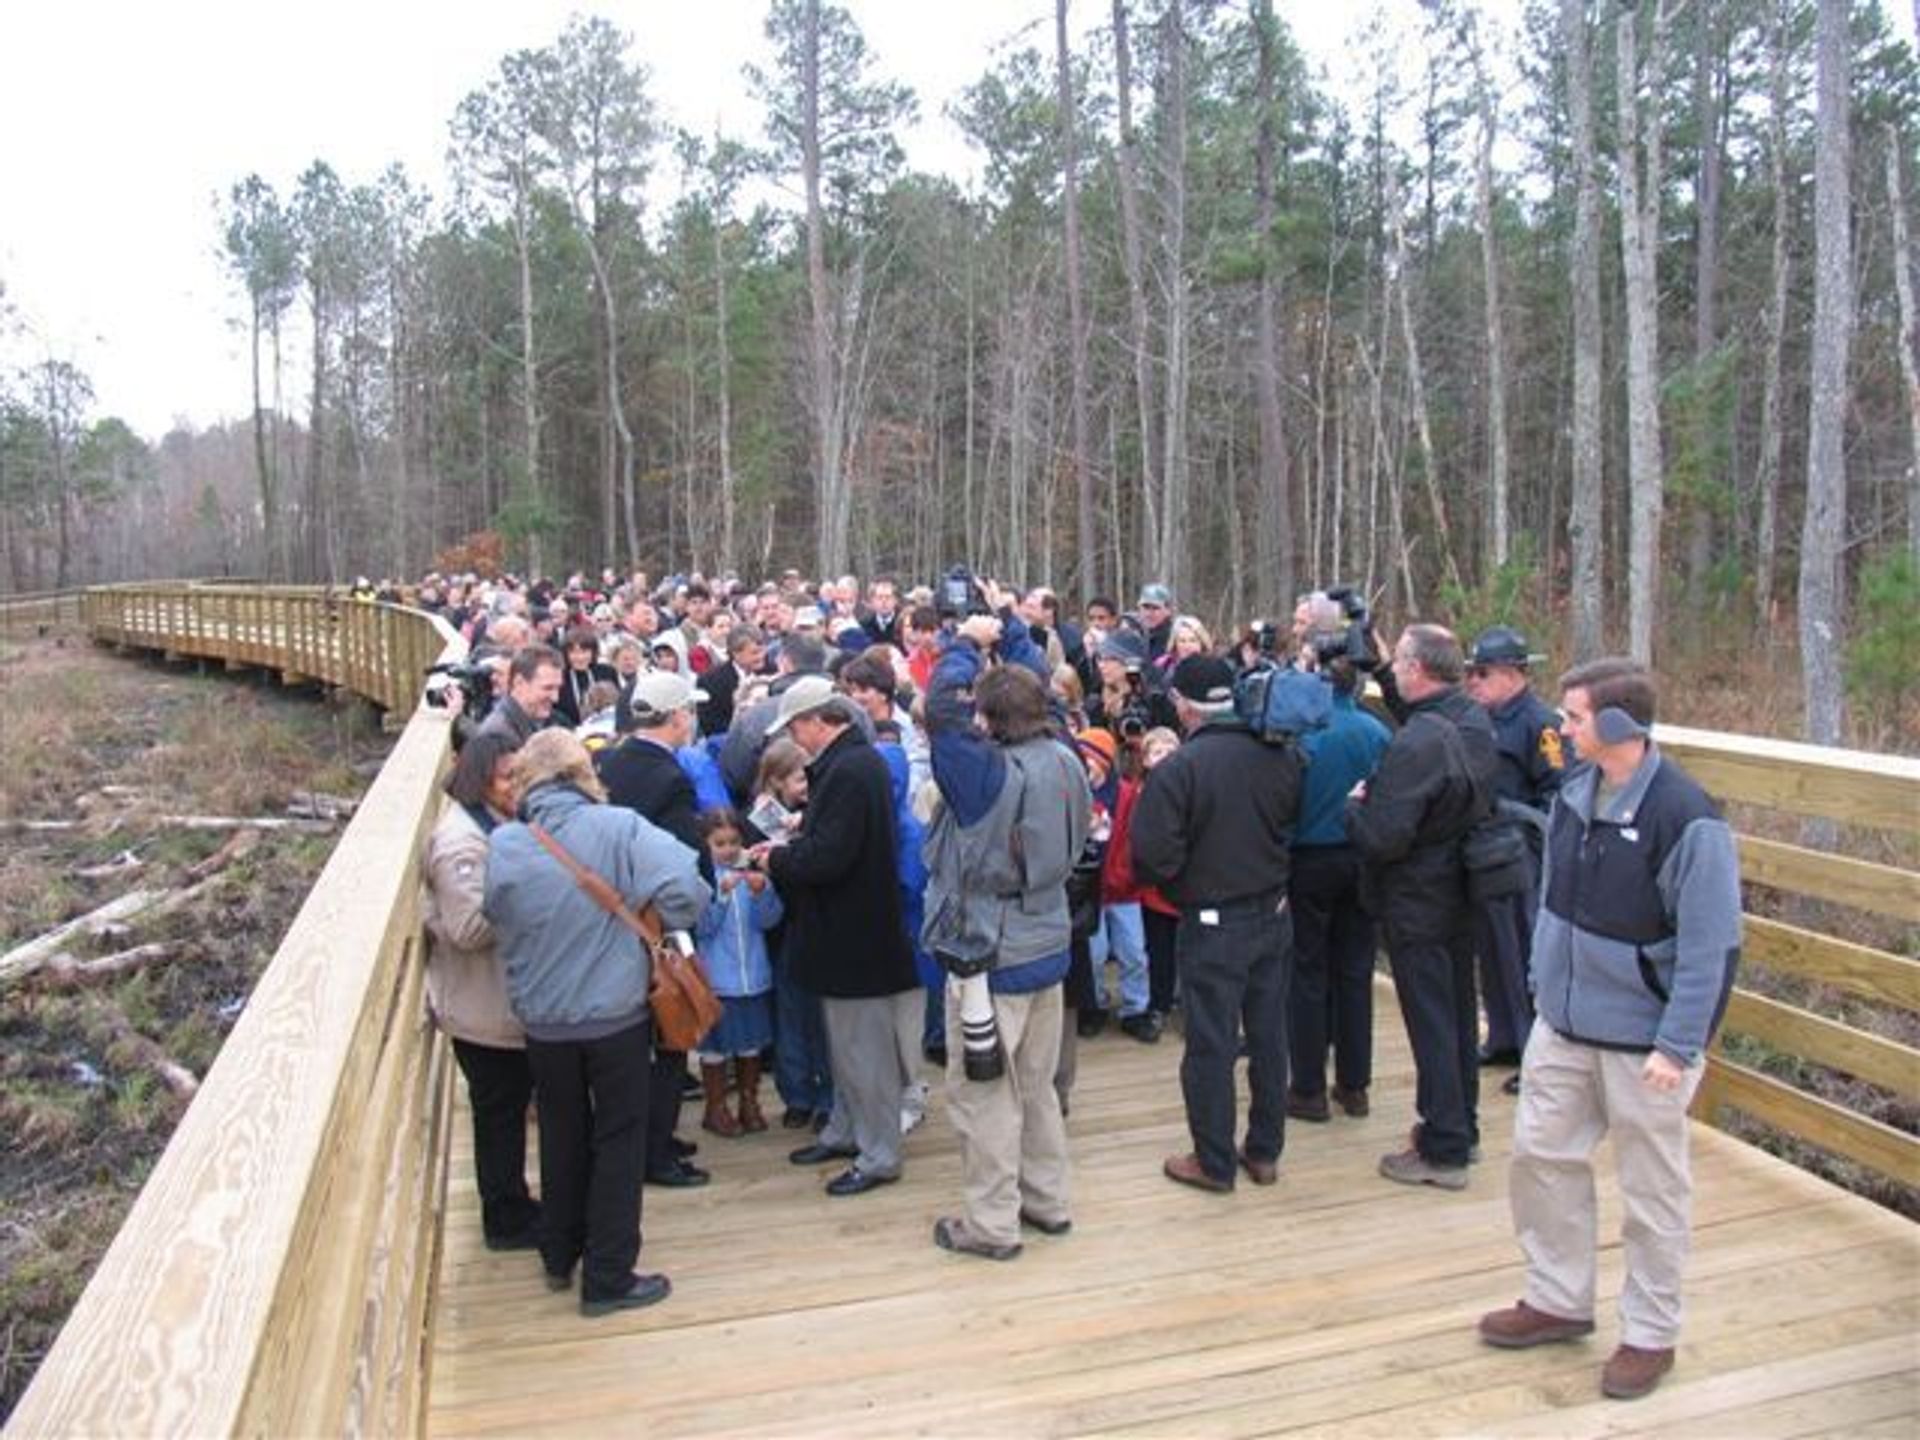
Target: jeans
(1123,935)
(800,1069)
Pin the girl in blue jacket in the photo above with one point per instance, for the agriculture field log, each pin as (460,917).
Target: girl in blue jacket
(733,948)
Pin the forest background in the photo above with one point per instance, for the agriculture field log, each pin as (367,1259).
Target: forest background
(1603,323)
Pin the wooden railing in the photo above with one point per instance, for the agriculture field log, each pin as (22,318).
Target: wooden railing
(1881,792)
(275,1273)
(39,611)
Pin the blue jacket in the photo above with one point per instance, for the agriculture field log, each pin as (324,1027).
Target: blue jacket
(1338,758)
(733,940)
(574,972)
(1533,756)
(1638,935)
(709,790)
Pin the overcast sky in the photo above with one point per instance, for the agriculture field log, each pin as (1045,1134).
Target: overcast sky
(125,119)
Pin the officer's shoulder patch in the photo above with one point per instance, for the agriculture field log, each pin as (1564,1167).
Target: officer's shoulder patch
(1551,749)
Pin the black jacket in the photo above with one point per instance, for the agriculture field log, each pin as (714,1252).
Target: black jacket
(574,684)
(1419,804)
(1215,819)
(838,879)
(721,684)
(644,777)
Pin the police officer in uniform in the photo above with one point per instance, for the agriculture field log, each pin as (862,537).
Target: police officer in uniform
(1532,760)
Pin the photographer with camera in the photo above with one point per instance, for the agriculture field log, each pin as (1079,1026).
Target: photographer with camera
(1013,821)
(1130,700)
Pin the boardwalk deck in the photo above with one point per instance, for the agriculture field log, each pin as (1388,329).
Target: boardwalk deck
(1333,1303)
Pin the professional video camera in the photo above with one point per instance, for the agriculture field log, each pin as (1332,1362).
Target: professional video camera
(1279,702)
(459,684)
(960,594)
(1355,643)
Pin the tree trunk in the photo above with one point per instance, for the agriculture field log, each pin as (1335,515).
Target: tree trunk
(1823,537)
(1585,502)
(1767,481)
(1909,367)
(1127,156)
(1175,563)
(830,507)
(1640,173)
(1086,550)
(1496,347)
(269,509)
(729,500)
(1416,380)
(319,519)
(1710,92)
(529,371)
(1273,533)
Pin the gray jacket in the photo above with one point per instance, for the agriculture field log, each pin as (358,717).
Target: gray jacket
(1638,935)
(574,972)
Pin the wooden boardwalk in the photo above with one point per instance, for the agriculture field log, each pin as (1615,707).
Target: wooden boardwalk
(1334,1303)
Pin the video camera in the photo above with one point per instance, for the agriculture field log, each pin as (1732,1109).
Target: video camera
(473,683)
(960,594)
(1354,644)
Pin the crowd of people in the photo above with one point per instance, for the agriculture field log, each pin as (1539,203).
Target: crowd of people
(952,824)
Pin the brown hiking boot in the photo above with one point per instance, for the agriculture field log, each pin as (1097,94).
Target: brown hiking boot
(1632,1372)
(1521,1327)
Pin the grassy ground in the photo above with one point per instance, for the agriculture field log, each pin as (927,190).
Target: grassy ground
(113,743)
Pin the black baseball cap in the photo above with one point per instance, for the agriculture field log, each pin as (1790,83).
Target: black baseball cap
(1204,679)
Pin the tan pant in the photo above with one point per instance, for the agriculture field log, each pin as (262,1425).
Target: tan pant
(1013,1143)
(1570,1096)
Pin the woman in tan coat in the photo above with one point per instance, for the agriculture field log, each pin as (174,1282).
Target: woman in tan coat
(466,988)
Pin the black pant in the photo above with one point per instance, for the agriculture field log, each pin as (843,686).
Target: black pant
(663,1109)
(1434,979)
(1233,980)
(1503,931)
(1163,968)
(1332,992)
(592,1100)
(499,1088)
(1079,993)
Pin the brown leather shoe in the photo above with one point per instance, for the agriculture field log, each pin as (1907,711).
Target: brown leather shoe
(1521,1327)
(1354,1102)
(1312,1108)
(1186,1170)
(1261,1172)
(1632,1372)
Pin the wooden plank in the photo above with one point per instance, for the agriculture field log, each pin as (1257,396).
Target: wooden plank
(1855,786)
(1858,969)
(1880,889)
(1819,1122)
(1882,1062)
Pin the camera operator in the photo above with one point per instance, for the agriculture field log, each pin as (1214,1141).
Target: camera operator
(1331,999)
(1212,828)
(1013,821)
(1434,783)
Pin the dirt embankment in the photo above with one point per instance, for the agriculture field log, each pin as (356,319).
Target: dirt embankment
(104,761)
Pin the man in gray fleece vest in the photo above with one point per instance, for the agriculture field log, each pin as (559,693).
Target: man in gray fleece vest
(1634,954)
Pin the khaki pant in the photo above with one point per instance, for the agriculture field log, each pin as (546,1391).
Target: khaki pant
(1570,1096)
(1013,1143)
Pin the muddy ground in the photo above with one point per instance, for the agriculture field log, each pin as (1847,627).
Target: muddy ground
(111,744)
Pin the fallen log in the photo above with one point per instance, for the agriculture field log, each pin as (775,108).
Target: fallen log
(25,959)
(40,827)
(312,805)
(68,972)
(130,1048)
(235,845)
(245,822)
(125,863)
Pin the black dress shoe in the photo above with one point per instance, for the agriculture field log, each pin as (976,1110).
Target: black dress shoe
(1496,1058)
(685,1149)
(527,1239)
(678,1176)
(1045,1227)
(794,1118)
(557,1282)
(1511,1086)
(1090,1023)
(646,1290)
(857,1182)
(935,1053)
(818,1154)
